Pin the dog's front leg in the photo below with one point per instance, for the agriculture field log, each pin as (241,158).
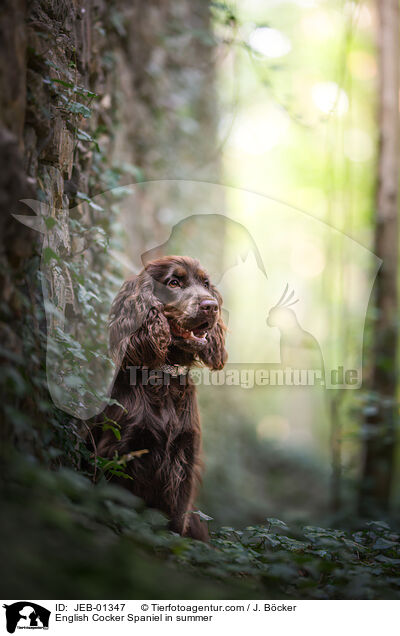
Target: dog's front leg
(183,520)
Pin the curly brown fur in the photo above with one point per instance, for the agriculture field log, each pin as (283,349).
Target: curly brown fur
(160,317)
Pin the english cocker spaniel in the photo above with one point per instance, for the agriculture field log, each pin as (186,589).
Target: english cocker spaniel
(163,321)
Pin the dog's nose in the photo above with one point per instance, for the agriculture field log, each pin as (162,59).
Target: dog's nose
(209,306)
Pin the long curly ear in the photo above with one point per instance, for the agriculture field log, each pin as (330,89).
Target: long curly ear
(215,354)
(139,331)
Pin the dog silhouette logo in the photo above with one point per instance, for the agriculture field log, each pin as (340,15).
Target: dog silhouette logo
(26,615)
(201,236)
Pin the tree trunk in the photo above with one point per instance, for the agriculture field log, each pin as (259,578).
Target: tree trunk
(336,452)
(381,416)
(91,95)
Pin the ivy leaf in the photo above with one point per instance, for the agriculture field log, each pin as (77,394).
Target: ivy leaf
(384,559)
(50,222)
(48,255)
(119,473)
(202,516)
(382,525)
(95,206)
(114,429)
(272,539)
(84,136)
(79,109)
(83,196)
(277,522)
(62,82)
(384,544)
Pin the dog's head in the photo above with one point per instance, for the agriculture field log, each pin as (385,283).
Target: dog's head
(169,312)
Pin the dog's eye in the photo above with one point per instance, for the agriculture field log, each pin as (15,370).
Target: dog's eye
(206,284)
(174,283)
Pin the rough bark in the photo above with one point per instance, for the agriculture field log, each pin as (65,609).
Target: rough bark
(150,68)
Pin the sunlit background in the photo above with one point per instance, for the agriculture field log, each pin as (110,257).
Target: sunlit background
(296,92)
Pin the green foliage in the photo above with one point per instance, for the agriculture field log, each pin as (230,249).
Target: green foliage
(82,135)
(116,466)
(60,519)
(49,254)
(78,109)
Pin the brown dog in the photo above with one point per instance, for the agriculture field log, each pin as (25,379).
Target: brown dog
(163,322)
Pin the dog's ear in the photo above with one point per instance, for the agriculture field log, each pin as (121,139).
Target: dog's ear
(215,355)
(139,331)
